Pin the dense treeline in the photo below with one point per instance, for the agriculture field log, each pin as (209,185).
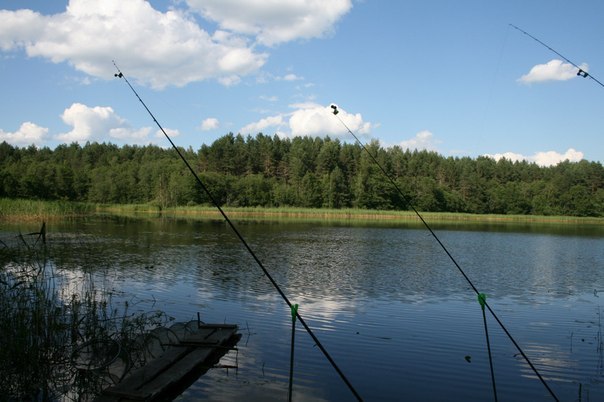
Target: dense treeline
(301,172)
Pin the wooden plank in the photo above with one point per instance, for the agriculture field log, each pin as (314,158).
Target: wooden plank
(190,367)
(129,385)
(199,349)
(207,336)
(212,336)
(111,395)
(232,326)
(169,378)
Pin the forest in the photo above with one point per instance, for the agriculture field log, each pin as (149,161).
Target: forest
(269,171)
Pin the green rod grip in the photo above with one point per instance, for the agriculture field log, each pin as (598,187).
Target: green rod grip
(482,299)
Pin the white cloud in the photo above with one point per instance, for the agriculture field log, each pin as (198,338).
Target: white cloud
(88,123)
(547,158)
(316,120)
(28,134)
(264,77)
(171,133)
(19,27)
(552,158)
(554,70)
(311,119)
(161,49)
(422,140)
(274,21)
(511,156)
(126,134)
(263,124)
(158,49)
(97,123)
(291,77)
(210,123)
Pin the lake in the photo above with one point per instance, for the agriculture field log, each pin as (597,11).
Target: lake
(385,301)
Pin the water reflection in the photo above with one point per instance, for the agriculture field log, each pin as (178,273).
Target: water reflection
(386,302)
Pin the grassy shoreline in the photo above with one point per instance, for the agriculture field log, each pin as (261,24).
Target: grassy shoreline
(374,215)
(34,210)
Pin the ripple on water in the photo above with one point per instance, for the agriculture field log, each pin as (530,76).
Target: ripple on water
(394,314)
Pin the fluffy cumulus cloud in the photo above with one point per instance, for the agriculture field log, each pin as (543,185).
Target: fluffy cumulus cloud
(554,70)
(99,123)
(156,48)
(274,21)
(548,158)
(28,134)
(18,28)
(210,123)
(160,49)
(311,119)
(316,120)
(422,140)
(275,122)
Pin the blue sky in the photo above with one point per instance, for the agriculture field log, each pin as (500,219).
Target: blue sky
(448,76)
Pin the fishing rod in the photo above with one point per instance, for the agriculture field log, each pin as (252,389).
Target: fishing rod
(335,112)
(580,72)
(119,74)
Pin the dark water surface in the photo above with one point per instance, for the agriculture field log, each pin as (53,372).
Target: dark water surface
(386,302)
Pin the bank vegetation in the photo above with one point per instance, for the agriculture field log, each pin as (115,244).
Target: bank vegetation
(303,172)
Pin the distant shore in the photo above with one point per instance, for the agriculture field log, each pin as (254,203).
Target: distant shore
(33,210)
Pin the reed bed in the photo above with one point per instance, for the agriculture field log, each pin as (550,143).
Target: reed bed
(364,215)
(32,210)
(128,208)
(61,337)
(20,210)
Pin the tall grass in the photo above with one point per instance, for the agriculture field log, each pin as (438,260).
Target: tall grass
(36,210)
(60,338)
(128,208)
(19,210)
(365,215)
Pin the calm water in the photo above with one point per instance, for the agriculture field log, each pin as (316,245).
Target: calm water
(386,302)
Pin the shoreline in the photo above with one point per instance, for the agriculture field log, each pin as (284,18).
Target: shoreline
(32,210)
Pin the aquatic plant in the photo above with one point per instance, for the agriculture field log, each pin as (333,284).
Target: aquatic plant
(37,210)
(61,337)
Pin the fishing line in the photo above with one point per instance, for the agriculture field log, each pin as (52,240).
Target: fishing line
(481,300)
(291,353)
(444,248)
(580,73)
(242,240)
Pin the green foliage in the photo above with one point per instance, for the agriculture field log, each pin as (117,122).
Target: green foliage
(62,340)
(41,210)
(300,172)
